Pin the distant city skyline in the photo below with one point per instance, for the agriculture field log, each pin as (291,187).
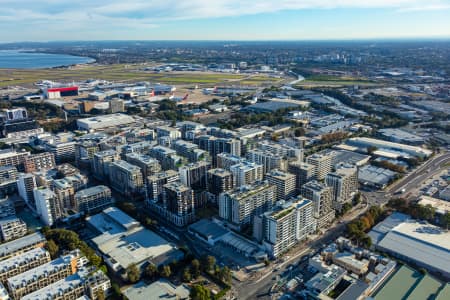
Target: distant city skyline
(51,20)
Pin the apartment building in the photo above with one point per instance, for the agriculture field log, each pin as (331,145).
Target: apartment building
(170,132)
(241,205)
(126,178)
(219,181)
(93,199)
(214,146)
(64,191)
(286,225)
(38,162)
(281,150)
(48,206)
(7,208)
(10,157)
(26,183)
(267,159)
(226,160)
(284,182)
(63,151)
(8,180)
(21,263)
(43,275)
(344,184)
(12,228)
(101,161)
(21,245)
(146,163)
(178,200)
(195,175)
(156,182)
(81,285)
(321,197)
(322,164)
(246,173)
(303,172)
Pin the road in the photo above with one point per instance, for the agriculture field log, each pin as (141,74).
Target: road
(428,169)
(411,181)
(260,288)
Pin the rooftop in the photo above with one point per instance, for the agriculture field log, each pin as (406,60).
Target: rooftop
(19,259)
(208,229)
(161,289)
(13,246)
(42,270)
(92,191)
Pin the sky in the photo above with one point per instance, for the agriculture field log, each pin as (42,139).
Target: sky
(55,20)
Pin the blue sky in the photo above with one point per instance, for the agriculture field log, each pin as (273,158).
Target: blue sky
(49,20)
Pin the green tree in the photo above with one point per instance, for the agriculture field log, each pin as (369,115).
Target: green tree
(299,131)
(187,277)
(195,266)
(225,274)
(165,271)
(445,220)
(133,273)
(151,271)
(209,262)
(52,248)
(100,295)
(199,292)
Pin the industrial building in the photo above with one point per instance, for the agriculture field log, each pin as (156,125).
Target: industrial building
(59,92)
(420,243)
(365,143)
(123,241)
(104,122)
(375,177)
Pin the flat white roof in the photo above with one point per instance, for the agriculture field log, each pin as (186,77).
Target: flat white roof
(104,121)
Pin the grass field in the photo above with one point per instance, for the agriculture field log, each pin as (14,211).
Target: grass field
(125,73)
(334,81)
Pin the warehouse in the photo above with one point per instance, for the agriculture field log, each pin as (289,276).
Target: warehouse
(104,121)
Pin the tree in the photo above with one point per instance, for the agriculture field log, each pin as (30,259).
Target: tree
(299,131)
(195,265)
(151,271)
(199,292)
(225,274)
(52,248)
(445,220)
(371,149)
(187,277)
(165,271)
(101,294)
(133,273)
(210,261)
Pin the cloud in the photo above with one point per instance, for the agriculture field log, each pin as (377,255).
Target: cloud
(100,15)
